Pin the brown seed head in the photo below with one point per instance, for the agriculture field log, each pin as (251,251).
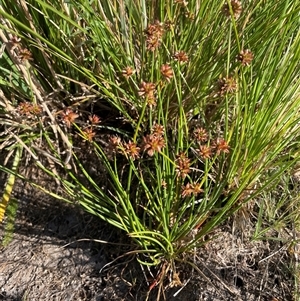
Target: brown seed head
(154,33)
(89,134)
(187,190)
(245,57)
(164,184)
(114,142)
(24,108)
(205,151)
(153,143)
(94,119)
(200,135)
(181,56)
(226,85)
(191,188)
(166,71)
(147,90)
(127,72)
(29,109)
(25,55)
(236,8)
(131,150)
(183,165)
(152,43)
(158,130)
(155,29)
(68,116)
(221,146)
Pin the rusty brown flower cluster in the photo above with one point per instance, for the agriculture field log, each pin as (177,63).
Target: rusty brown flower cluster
(191,189)
(200,135)
(29,109)
(151,144)
(181,56)
(206,148)
(205,151)
(167,72)
(94,119)
(89,132)
(154,34)
(113,144)
(226,85)
(220,146)
(23,53)
(154,142)
(147,90)
(245,57)
(236,7)
(128,72)
(130,149)
(69,117)
(183,164)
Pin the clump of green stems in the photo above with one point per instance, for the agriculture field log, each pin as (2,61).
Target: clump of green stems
(209,94)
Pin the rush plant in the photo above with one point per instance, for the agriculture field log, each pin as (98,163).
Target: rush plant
(163,118)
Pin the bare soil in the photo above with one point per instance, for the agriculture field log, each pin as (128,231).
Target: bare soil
(54,255)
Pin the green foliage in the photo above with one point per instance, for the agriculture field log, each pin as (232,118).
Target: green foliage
(160,74)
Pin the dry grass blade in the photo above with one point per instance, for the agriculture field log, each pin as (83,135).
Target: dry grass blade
(32,82)
(10,182)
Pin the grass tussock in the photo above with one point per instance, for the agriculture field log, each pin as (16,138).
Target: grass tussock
(164,118)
